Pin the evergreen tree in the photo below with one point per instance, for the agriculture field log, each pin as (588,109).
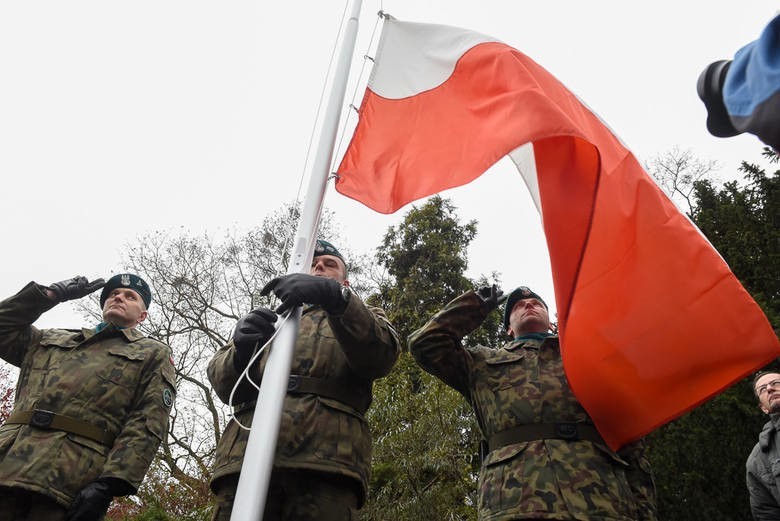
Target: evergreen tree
(425,463)
(699,460)
(743,223)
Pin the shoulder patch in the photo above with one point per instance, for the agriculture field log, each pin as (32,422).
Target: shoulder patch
(167,398)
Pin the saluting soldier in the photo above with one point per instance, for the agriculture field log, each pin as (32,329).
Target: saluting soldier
(92,404)
(323,453)
(542,456)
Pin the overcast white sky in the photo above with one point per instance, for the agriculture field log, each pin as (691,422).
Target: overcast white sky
(120,118)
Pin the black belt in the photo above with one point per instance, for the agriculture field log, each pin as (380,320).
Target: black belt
(340,390)
(49,420)
(545,431)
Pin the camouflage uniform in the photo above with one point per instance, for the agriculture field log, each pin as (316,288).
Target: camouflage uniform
(523,383)
(316,434)
(116,380)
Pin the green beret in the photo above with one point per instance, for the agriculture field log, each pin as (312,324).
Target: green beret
(127,280)
(521,293)
(326,248)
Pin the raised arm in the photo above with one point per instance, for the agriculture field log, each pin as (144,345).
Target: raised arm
(437,345)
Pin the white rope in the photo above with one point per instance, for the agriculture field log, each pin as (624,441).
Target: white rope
(245,373)
(322,99)
(380,16)
(321,102)
(358,84)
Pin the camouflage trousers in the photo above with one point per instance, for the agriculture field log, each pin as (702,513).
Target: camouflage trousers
(297,496)
(21,505)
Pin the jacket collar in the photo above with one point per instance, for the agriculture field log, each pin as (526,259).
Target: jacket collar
(767,436)
(131,334)
(530,342)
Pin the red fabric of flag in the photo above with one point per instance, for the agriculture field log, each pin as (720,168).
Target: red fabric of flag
(652,321)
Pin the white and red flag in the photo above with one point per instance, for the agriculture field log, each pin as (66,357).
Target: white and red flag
(652,321)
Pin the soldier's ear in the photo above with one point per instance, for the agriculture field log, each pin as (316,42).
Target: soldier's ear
(142,317)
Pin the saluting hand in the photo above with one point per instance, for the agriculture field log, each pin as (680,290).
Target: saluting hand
(75,288)
(489,296)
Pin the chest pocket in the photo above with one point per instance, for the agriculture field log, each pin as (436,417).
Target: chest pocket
(123,366)
(54,359)
(317,352)
(505,370)
(67,338)
(58,344)
(503,394)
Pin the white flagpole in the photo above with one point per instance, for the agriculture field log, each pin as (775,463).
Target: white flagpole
(261,447)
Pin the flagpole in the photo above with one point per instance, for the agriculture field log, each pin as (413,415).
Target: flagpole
(259,456)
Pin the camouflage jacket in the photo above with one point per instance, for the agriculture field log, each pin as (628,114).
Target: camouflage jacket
(117,380)
(316,433)
(523,383)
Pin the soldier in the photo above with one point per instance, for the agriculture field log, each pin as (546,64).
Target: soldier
(92,405)
(323,452)
(542,456)
(762,480)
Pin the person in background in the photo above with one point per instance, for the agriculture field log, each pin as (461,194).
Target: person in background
(762,464)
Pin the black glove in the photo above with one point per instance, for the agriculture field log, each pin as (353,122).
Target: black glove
(297,288)
(76,287)
(489,296)
(253,329)
(92,501)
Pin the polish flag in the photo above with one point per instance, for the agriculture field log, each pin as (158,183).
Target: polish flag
(652,321)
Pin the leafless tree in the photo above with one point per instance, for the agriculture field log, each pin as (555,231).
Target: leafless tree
(6,392)
(676,172)
(201,286)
